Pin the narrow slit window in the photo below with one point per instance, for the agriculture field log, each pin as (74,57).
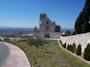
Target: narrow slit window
(47,22)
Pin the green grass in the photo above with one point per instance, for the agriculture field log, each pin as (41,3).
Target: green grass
(49,55)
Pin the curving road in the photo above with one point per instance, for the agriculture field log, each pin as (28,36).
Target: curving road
(4,52)
(12,56)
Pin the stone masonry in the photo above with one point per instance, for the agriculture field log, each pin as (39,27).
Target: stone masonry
(82,39)
(47,28)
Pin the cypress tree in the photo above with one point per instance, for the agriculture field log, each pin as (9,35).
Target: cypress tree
(74,47)
(79,50)
(87,52)
(82,24)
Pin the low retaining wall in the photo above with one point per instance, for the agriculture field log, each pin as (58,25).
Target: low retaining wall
(82,39)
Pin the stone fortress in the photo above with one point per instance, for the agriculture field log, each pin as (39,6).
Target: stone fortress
(47,28)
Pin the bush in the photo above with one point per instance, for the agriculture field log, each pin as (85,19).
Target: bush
(78,52)
(68,33)
(87,52)
(74,47)
(60,42)
(36,42)
(64,45)
(74,33)
(70,48)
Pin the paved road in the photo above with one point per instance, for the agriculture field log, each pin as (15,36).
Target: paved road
(12,56)
(4,52)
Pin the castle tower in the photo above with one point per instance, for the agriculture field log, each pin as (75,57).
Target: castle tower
(35,29)
(46,24)
(47,28)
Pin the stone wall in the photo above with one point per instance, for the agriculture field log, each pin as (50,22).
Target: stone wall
(82,39)
(55,35)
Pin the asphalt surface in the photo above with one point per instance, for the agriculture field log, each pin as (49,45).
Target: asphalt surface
(4,52)
(12,56)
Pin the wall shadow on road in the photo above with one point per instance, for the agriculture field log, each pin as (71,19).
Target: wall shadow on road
(4,52)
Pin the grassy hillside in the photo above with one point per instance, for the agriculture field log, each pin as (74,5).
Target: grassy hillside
(49,55)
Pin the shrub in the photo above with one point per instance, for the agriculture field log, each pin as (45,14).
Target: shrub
(64,45)
(74,33)
(78,52)
(68,47)
(74,47)
(87,52)
(71,48)
(60,42)
(68,33)
(36,42)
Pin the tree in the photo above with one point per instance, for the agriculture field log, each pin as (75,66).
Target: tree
(74,33)
(85,27)
(82,23)
(79,50)
(70,48)
(60,42)
(64,45)
(74,47)
(87,52)
(68,33)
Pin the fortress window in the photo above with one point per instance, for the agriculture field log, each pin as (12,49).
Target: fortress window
(47,22)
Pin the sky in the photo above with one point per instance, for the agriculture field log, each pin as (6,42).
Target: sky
(26,13)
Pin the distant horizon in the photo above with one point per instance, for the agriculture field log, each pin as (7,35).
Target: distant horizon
(13,29)
(26,13)
(29,27)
